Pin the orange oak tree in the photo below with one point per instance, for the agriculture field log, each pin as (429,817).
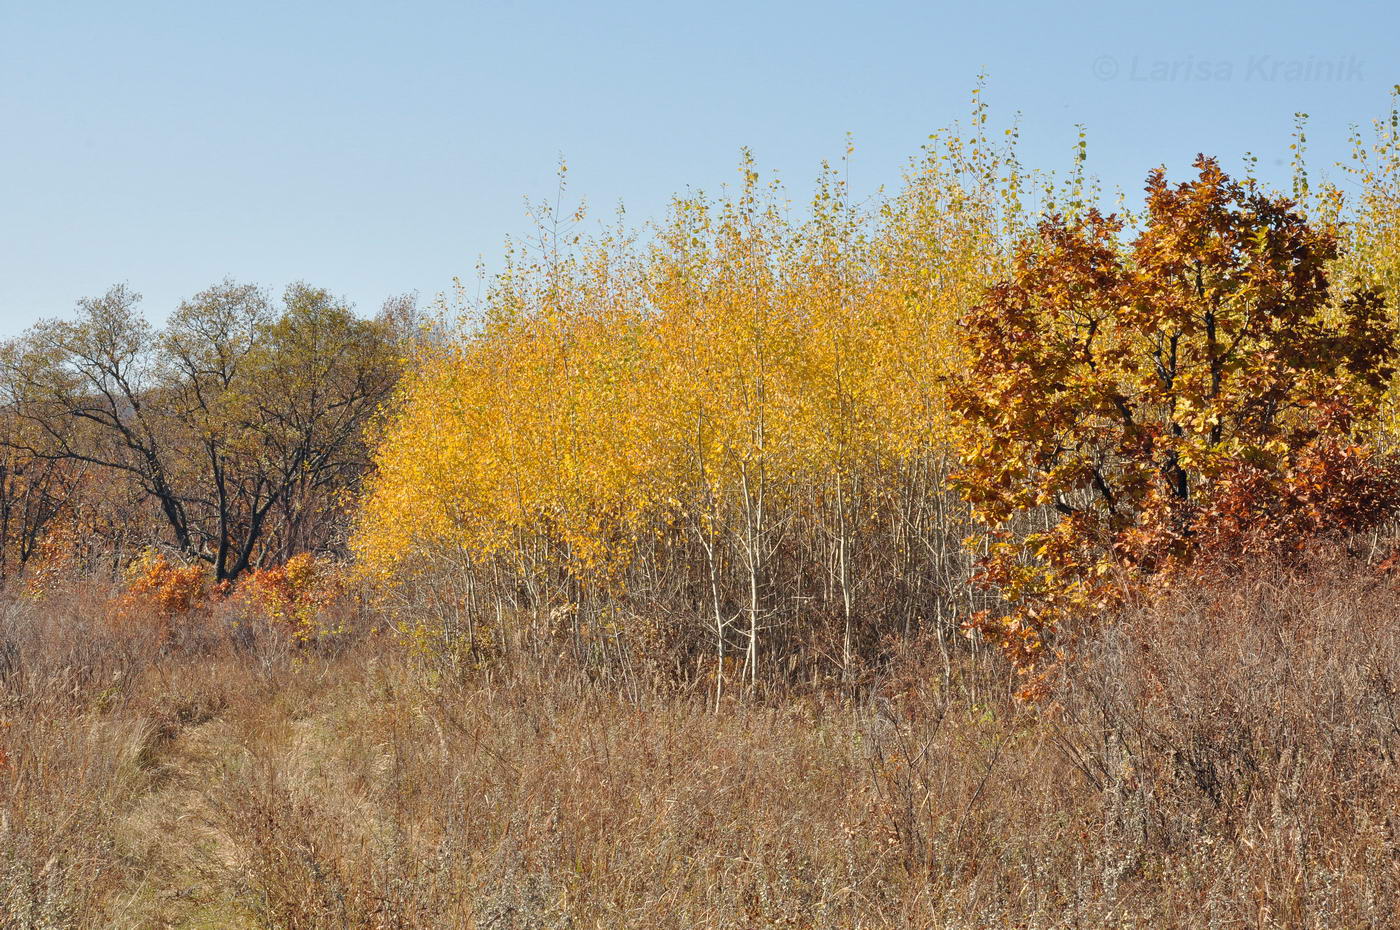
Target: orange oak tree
(1132,406)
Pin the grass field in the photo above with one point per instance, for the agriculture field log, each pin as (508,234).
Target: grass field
(227,778)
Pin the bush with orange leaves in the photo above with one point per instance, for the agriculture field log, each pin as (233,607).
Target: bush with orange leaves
(295,596)
(1332,489)
(161,593)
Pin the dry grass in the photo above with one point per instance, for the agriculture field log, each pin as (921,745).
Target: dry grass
(1226,760)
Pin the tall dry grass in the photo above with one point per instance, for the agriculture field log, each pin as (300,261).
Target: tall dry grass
(1228,758)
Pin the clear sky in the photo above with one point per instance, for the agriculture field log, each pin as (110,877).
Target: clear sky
(378,148)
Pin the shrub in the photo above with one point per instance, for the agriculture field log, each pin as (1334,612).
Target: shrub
(160,591)
(295,596)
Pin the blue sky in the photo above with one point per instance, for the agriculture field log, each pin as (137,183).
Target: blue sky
(378,148)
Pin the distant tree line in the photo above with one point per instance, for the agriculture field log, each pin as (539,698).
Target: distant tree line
(234,434)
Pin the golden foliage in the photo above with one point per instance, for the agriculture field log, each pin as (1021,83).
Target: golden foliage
(703,395)
(737,422)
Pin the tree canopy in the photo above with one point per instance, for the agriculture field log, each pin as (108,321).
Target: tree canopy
(1130,406)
